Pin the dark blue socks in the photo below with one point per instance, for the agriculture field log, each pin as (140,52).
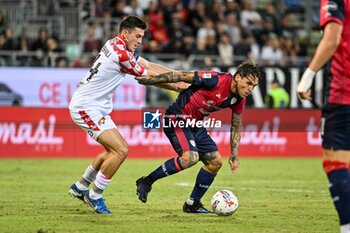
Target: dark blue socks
(168,168)
(340,192)
(203,182)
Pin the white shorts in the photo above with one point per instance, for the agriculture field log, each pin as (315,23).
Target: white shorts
(92,122)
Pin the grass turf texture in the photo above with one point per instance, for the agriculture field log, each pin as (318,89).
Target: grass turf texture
(275,195)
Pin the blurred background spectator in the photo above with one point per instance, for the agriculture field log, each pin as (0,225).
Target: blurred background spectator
(225,50)
(277,96)
(271,52)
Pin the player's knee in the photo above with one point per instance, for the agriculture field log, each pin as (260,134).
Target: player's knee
(194,157)
(212,160)
(121,150)
(216,164)
(189,158)
(124,150)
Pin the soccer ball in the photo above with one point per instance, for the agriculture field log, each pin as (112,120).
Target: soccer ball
(224,202)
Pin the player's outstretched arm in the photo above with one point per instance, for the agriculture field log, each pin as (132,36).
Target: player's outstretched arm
(178,87)
(236,129)
(169,77)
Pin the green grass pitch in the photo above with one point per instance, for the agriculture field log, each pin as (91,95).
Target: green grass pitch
(275,195)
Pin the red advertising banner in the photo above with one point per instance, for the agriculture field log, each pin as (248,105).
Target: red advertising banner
(44,132)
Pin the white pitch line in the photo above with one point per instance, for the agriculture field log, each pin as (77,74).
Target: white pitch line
(184,184)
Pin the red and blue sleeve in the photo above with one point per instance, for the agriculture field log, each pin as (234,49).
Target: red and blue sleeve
(205,79)
(332,11)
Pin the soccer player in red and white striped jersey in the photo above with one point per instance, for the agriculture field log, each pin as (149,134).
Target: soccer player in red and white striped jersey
(91,105)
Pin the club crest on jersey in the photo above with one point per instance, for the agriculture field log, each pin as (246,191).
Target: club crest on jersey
(206,75)
(193,143)
(233,100)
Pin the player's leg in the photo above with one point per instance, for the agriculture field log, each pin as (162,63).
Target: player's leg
(102,129)
(337,167)
(183,143)
(336,159)
(80,188)
(117,149)
(211,158)
(87,121)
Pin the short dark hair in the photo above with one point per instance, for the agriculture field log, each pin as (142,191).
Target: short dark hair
(131,22)
(248,69)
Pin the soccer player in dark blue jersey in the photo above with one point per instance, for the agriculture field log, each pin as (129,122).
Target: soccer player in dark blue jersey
(209,92)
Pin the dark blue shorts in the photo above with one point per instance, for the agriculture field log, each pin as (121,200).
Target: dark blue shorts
(336,127)
(186,139)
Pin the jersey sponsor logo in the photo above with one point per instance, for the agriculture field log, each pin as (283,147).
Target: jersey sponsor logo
(151,120)
(209,103)
(206,75)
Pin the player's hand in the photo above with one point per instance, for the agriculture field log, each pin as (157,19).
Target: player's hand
(304,86)
(234,163)
(142,80)
(305,95)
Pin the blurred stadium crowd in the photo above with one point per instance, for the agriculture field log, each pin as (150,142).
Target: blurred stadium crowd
(185,34)
(182,34)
